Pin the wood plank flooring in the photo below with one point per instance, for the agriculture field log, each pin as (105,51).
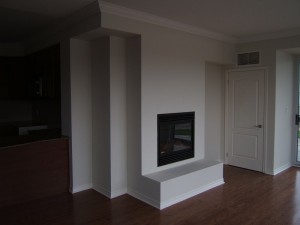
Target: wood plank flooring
(247,197)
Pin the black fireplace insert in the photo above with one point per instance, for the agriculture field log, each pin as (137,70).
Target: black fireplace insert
(175,137)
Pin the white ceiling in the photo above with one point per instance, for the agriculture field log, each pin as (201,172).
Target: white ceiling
(240,19)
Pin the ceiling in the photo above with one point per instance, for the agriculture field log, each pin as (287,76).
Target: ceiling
(239,19)
(20,19)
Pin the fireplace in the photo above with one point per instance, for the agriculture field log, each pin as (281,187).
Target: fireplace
(175,137)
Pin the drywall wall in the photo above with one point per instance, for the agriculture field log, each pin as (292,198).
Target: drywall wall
(214,112)
(137,185)
(165,74)
(172,79)
(81,114)
(284,109)
(268,58)
(118,116)
(109,120)
(101,115)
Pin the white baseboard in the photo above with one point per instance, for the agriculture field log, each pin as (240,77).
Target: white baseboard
(101,190)
(143,198)
(278,170)
(108,193)
(118,193)
(79,188)
(178,199)
(190,194)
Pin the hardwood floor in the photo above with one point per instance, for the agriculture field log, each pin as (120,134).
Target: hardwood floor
(247,197)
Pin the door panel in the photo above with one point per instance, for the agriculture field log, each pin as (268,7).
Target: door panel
(240,150)
(245,118)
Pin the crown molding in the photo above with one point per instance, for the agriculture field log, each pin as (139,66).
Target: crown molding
(117,10)
(271,36)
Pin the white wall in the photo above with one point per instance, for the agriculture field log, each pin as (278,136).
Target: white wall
(99,67)
(284,109)
(165,74)
(214,112)
(172,80)
(81,114)
(101,115)
(118,116)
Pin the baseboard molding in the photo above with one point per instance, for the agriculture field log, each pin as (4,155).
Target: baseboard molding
(108,193)
(190,194)
(118,193)
(80,188)
(178,199)
(143,198)
(279,170)
(102,190)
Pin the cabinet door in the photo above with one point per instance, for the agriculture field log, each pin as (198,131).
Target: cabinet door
(4,78)
(46,73)
(18,78)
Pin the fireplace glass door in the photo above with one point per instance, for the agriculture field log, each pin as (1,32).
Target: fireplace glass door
(175,137)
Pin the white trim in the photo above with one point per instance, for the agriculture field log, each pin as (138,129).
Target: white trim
(117,10)
(80,188)
(270,36)
(190,194)
(296,102)
(279,170)
(143,198)
(108,193)
(118,193)
(180,198)
(265,150)
(102,190)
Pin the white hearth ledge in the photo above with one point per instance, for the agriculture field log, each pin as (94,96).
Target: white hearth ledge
(183,182)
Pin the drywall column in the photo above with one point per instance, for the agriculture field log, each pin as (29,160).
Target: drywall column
(101,115)
(81,114)
(214,112)
(118,117)
(109,116)
(284,111)
(133,53)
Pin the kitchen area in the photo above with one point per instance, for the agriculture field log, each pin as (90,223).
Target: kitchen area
(30,97)
(34,156)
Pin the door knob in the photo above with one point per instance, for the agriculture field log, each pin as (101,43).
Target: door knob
(259,126)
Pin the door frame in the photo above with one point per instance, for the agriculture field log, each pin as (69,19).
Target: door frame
(296,100)
(265,133)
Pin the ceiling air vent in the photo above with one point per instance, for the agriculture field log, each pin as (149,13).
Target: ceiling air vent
(249,58)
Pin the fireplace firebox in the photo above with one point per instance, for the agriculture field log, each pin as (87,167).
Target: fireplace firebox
(175,137)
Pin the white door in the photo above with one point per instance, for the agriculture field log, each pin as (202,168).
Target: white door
(245,118)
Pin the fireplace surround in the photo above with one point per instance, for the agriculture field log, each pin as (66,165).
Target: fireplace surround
(175,137)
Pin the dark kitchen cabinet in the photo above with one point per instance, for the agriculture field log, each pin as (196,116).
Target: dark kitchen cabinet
(33,76)
(14,80)
(45,70)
